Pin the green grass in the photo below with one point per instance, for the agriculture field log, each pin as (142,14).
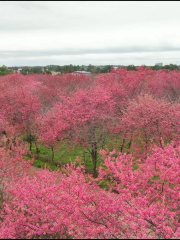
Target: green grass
(63,155)
(40,164)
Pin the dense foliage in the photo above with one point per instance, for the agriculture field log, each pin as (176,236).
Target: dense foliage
(135,193)
(4,71)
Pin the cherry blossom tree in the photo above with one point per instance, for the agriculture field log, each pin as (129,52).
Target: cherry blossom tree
(141,202)
(82,120)
(150,121)
(20,106)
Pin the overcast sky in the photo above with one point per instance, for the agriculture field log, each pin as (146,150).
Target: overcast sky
(98,33)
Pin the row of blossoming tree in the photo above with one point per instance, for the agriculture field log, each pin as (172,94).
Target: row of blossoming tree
(136,191)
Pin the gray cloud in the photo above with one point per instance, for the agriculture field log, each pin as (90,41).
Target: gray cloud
(67,52)
(88,31)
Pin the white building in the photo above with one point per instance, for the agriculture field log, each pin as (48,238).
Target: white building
(55,73)
(115,68)
(18,70)
(81,72)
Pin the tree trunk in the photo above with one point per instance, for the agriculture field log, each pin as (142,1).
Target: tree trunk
(123,143)
(37,148)
(30,146)
(52,154)
(94,159)
(84,156)
(129,145)
(161,143)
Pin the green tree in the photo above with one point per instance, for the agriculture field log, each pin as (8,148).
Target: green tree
(171,67)
(106,69)
(156,67)
(131,68)
(4,71)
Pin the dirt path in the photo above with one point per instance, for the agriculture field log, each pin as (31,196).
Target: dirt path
(35,169)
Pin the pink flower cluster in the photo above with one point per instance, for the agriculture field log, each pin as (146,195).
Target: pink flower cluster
(141,199)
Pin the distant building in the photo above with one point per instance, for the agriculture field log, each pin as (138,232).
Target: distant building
(115,68)
(159,64)
(81,72)
(55,73)
(18,70)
